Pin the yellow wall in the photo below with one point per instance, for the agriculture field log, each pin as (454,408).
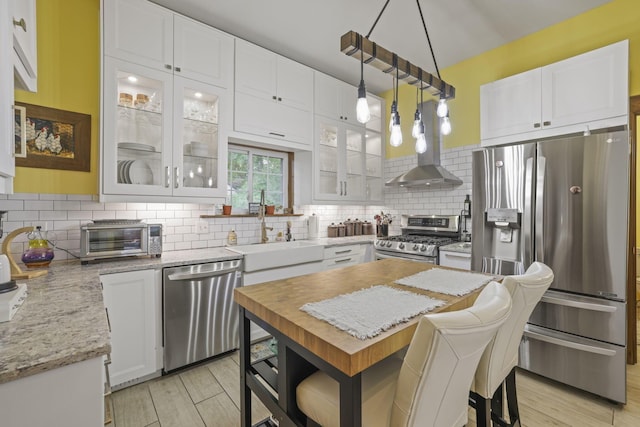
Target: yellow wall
(604,25)
(68,79)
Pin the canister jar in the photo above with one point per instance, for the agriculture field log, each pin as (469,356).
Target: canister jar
(357,227)
(341,230)
(332,230)
(348,227)
(367,228)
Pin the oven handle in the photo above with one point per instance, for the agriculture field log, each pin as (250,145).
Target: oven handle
(380,256)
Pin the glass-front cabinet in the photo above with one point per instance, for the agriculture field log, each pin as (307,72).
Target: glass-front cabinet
(340,161)
(161,134)
(348,158)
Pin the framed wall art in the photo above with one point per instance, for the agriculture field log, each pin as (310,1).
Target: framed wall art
(54,139)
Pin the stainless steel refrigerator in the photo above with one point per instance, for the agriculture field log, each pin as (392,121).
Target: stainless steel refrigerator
(563,202)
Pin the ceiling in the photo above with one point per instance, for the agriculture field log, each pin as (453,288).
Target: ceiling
(309,31)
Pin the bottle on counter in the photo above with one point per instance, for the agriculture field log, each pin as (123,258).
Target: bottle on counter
(232,238)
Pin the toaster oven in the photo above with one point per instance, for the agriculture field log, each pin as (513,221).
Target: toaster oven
(113,239)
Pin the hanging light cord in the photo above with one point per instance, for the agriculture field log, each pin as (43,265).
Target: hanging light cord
(428,39)
(378,18)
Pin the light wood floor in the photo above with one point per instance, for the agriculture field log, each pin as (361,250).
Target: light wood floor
(209,395)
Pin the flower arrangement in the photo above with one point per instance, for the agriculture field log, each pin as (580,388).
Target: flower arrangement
(383,218)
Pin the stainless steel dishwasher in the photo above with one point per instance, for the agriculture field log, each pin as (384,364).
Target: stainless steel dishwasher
(200,318)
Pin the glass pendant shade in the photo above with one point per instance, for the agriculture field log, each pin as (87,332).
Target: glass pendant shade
(396,132)
(421,144)
(363,114)
(445,126)
(442,109)
(415,130)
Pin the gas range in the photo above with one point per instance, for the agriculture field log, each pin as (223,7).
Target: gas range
(421,237)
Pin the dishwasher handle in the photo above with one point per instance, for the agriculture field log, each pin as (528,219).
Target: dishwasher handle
(205,270)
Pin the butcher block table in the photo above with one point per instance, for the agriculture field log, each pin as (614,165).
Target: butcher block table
(306,343)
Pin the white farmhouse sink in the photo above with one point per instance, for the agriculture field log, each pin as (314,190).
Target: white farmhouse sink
(278,254)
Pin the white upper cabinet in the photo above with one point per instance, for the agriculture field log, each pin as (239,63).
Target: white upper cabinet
(565,97)
(274,95)
(7,161)
(25,44)
(144,33)
(335,99)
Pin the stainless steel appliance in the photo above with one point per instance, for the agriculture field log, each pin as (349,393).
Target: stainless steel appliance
(200,318)
(421,237)
(119,238)
(563,202)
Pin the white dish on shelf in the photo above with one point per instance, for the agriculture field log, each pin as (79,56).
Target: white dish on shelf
(200,149)
(140,173)
(137,146)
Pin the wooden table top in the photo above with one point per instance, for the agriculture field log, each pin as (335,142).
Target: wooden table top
(278,303)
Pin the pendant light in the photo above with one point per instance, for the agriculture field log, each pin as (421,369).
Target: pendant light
(421,140)
(445,125)
(363,114)
(443,109)
(396,132)
(417,117)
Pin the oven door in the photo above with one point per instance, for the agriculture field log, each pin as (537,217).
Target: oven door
(114,241)
(394,255)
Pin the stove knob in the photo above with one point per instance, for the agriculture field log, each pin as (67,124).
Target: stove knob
(415,247)
(389,244)
(401,246)
(423,248)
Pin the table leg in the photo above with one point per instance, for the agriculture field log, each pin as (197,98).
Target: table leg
(245,364)
(351,401)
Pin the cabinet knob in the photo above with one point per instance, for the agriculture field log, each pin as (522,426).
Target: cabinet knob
(21,23)
(341,118)
(274,97)
(177,69)
(546,123)
(536,125)
(167,66)
(279,99)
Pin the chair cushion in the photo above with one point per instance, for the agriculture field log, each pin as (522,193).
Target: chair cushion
(318,395)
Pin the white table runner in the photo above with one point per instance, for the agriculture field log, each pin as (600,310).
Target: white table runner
(367,312)
(448,282)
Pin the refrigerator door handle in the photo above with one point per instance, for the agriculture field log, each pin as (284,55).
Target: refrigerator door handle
(578,304)
(527,247)
(542,162)
(569,344)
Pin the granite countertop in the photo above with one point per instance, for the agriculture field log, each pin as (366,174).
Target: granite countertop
(463,247)
(63,320)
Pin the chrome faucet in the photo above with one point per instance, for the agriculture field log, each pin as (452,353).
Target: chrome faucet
(263,226)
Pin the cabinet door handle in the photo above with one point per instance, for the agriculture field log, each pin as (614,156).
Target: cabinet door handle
(342,260)
(536,125)
(106,310)
(345,188)
(21,23)
(168,175)
(167,66)
(346,251)
(341,190)
(177,177)
(178,69)
(546,123)
(276,134)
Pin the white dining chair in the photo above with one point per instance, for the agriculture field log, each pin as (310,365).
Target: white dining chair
(430,387)
(497,365)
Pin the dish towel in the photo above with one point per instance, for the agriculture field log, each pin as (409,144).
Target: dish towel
(367,312)
(446,281)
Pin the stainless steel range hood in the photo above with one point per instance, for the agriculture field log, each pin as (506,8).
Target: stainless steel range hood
(429,173)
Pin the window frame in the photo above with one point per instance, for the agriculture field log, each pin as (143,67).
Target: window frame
(286,173)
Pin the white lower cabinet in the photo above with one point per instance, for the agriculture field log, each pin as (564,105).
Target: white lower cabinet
(70,396)
(344,256)
(455,259)
(133,303)
(7,161)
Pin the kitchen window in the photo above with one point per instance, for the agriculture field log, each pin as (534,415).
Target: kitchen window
(252,170)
